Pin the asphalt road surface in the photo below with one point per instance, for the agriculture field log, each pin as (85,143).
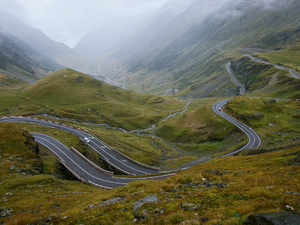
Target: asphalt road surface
(293,72)
(233,78)
(254,139)
(81,168)
(112,157)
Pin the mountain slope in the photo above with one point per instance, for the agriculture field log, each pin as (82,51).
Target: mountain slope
(70,94)
(12,26)
(20,60)
(187,48)
(31,36)
(110,35)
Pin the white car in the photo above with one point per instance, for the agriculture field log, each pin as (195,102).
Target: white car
(87,139)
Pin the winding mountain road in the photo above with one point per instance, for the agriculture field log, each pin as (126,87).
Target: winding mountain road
(81,168)
(86,172)
(293,72)
(233,78)
(114,158)
(254,139)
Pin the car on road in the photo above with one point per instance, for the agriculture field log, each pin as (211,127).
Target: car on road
(87,139)
(219,109)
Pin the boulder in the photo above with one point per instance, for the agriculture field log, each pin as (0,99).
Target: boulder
(147,199)
(277,218)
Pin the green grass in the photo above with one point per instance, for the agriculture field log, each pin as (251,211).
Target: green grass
(288,57)
(200,131)
(70,94)
(277,122)
(264,80)
(254,184)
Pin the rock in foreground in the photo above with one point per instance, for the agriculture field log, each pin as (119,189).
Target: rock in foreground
(278,218)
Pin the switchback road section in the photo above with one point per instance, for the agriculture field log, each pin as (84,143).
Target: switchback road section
(112,157)
(254,139)
(233,78)
(293,72)
(81,168)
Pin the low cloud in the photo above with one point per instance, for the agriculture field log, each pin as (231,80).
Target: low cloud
(56,17)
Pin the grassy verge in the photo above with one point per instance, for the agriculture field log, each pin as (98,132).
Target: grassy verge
(200,131)
(288,57)
(277,122)
(250,184)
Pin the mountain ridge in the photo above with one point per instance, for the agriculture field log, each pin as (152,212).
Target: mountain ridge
(214,39)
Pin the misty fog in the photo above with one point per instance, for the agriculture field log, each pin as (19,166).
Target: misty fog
(68,21)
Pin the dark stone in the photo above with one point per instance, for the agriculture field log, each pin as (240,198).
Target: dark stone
(278,218)
(204,219)
(139,217)
(207,184)
(220,185)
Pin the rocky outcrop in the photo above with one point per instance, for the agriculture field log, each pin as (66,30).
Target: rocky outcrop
(277,218)
(147,199)
(108,202)
(4,212)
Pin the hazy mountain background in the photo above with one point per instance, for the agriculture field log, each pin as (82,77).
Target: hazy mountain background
(187,47)
(183,45)
(21,60)
(110,35)
(26,51)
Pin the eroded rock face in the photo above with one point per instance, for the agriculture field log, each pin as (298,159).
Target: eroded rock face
(278,218)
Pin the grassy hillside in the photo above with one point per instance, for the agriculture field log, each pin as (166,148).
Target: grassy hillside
(81,101)
(288,57)
(8,81)
(200,131)
(265,80)
(277,122)
(224,190)
(70,94)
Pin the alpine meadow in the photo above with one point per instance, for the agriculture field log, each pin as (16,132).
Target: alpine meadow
(150,112)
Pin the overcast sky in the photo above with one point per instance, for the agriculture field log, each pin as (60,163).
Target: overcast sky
(68,20)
